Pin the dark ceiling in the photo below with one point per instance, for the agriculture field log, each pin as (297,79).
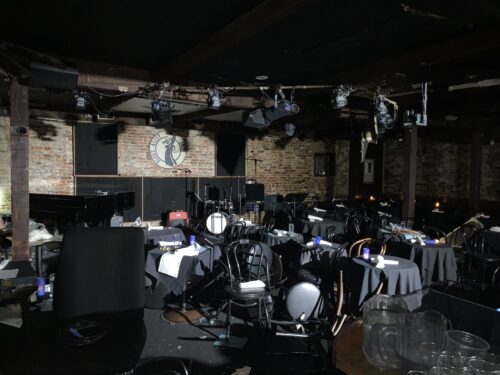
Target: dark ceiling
(314,44)
(389,43)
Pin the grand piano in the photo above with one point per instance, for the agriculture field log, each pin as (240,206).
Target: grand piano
(72,210)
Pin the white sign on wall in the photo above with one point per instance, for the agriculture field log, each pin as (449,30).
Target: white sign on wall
(166,150)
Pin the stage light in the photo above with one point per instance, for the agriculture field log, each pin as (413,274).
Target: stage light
(155,105)
(162,113)
(81,100)
(289,129)
(214,98)
(382,114)
(340,95)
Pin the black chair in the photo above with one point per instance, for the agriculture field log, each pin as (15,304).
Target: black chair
(266,227)
(97,326)
(433,232)
(248,261)
(483,257)
(463,240)
(332,235)
(234,232)
(495,279)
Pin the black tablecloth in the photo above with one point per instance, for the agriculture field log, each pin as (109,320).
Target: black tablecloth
(321,227)
(492,241)
(435,262)
(364,278)
(151,237)
(161,285)
(273,239)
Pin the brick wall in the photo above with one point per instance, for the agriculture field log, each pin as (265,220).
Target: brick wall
(134,158)
(490,172)
(4,161)
(289,168)
(51,157)
(443,169)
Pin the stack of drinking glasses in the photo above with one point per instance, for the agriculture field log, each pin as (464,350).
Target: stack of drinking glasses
(465,354)
(420,343)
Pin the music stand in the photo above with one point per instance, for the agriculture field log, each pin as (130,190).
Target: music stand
(295,198)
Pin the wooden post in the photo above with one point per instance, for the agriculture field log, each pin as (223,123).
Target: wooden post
(19,117)
(410,174)
(475,173)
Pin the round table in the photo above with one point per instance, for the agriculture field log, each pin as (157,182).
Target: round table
(273,239)
(363,278)
(436,263)
(161,285)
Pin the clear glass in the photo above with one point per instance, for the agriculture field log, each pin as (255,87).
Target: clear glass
(291,229)
(423,339)
(440,370)
(466,343)
(383,321)
(452,359)
(489,363)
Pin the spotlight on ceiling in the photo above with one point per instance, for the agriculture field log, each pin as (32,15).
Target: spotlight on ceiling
(340,95)
(214,98)
(81,100)
(384,118)
(290,129)
(162,113)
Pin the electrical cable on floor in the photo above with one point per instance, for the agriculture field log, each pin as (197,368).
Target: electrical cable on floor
(193,324)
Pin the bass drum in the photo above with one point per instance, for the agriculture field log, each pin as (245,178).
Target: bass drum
(216,223)
(304,301)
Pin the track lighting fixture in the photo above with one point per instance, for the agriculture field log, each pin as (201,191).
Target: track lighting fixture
(162,113)
(214,98)
(290,129)
(81,100)
(382,114)
(340,95)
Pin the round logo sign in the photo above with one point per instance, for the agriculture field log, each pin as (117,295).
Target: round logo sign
(168,151)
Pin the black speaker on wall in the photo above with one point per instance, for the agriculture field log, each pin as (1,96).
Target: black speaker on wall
(254,192)
(230,154)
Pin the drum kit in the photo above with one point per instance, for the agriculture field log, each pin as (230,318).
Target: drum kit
(218,214)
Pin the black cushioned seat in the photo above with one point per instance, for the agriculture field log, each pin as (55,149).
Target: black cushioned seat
(100,280)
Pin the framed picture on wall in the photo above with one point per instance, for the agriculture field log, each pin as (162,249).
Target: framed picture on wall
(369,171)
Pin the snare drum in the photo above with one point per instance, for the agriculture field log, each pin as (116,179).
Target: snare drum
(216,223)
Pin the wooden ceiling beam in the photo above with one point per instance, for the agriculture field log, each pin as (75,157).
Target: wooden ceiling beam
(256,20)
(422,58)
(111,77)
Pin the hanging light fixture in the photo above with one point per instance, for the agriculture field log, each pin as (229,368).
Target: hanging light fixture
(290,129)
(214,97)
(81,100)
(340,95)
(161,113)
